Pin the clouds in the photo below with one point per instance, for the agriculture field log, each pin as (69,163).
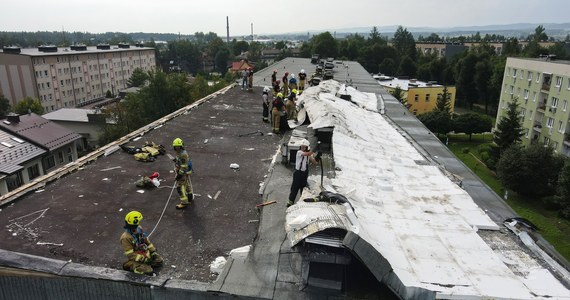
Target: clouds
(187,17)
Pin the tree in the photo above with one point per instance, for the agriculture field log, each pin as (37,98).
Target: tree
(437,122)
(221,60)
(29,104)
(443,102)
(531,171)
(388,66)
(397,93)
(404,43)
(325,45)
(239,47)
(471,123)
(482,80)
(407,67)
(4,105)
(465,70)
(138,78)
(280,45)
(371,56)
(563,190)
(509,130)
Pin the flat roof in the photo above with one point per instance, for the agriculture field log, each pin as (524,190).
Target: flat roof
(407,84)
(70,115)
(68,51)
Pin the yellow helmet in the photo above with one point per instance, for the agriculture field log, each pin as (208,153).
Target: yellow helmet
(294,91)
(133,218)
(177,142)
(279,95)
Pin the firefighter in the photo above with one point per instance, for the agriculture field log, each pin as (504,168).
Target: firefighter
(293,82)
(250,79)
(265,97)
(141,253)
(276,111)
(285,81)
(290,105)
(183,171)
(301,174)
(276,88)
(273,77)
(302,80)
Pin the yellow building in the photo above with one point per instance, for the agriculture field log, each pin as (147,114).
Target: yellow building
(421,97)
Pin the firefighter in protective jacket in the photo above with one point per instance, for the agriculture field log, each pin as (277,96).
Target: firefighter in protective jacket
(141,253)
(183,171)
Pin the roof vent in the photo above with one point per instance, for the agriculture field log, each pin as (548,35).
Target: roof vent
(11,50)
(47,48)
(140,45)
(79,47)
(103,46)
(124,46)
(13,119)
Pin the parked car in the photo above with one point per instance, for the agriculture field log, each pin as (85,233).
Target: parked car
(315,58)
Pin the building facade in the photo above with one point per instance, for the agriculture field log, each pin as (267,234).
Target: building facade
(542,87)
(66,77)
(421,97)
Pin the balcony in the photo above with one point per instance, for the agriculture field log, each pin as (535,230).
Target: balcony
(541,108)
(537,127)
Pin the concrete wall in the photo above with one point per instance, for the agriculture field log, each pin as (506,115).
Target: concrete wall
(17,79)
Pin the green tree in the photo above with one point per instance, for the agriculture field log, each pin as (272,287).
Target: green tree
(375,37)
(443,102)
(138,78)
(465,70)
(239,47)
(325,45)
(221,60)
(509,130)
(280,45)
(437,122)
(563,190)
(407,67)
(531,171)
(371,56)
(4,105)
(397,93)
(471,123)
(482,80)
(404,43)
(29,104)
(388,66)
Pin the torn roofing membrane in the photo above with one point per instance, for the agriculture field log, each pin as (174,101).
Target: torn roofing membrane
(414,216)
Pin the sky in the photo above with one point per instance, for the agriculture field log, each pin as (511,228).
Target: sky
(269,17)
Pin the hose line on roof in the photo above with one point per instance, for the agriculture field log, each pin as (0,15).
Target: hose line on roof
(164,209)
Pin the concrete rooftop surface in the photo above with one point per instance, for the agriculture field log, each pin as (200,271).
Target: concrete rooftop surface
(389,241)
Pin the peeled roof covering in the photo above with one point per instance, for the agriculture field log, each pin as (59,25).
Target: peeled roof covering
(41,131)
(410,213)
(11,158)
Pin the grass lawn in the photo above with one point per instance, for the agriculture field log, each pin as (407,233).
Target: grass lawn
(553,228)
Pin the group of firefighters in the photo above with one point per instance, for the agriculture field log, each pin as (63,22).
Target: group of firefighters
(141,253)
(283,106)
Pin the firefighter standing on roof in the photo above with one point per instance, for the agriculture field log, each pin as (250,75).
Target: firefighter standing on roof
(183,171)
(285,81)
(301,174)
(141,253)
(302,80)
(276,111)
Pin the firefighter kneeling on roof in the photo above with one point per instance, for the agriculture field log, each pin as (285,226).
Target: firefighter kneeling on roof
(137,247)
(183,171)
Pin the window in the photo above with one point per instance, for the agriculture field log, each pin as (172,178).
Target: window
(526,133)
(533,96)
(564,105)
(33,172)
(69,155)
(529,76)
(549,122)
(530,114)
(554,102)
(512,91)
(427,97)
(514,73)
(49,161)
(554,146)
(526,92)
(60,155)
(416,98)
(537,77)
(558,81)
(546,141)
(45,73)
(560,126)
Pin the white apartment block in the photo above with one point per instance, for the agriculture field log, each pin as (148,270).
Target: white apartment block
(71,76)
(542,87)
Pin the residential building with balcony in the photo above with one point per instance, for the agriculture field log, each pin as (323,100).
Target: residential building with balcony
(70,76)
(421,97)
(542,87)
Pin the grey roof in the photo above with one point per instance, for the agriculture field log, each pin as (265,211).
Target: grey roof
(14,152)
(67,51)
(40,131)
(70,115)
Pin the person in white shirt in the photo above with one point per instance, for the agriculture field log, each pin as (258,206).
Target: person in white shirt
(303,157)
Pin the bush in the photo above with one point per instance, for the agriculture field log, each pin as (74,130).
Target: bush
(465,150)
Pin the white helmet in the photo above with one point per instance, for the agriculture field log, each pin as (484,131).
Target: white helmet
(292,75)
(266,89)
(305,142)
(302,70)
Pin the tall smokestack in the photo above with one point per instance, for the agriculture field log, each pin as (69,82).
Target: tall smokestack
(228,29)
(252,32)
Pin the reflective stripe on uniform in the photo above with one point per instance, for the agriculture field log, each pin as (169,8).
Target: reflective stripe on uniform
(129,252)
(139,257)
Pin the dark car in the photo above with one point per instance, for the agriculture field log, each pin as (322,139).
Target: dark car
(315,58)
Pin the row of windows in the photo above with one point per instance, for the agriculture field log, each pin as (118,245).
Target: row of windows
(427,97)
(515,73)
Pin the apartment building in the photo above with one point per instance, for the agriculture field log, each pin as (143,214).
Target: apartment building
(421,97)
(71,76)
(542,87)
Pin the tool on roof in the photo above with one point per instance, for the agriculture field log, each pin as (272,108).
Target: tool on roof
(251,133)
(265,203)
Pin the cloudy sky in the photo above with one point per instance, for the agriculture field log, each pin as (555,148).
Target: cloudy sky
(269,16)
